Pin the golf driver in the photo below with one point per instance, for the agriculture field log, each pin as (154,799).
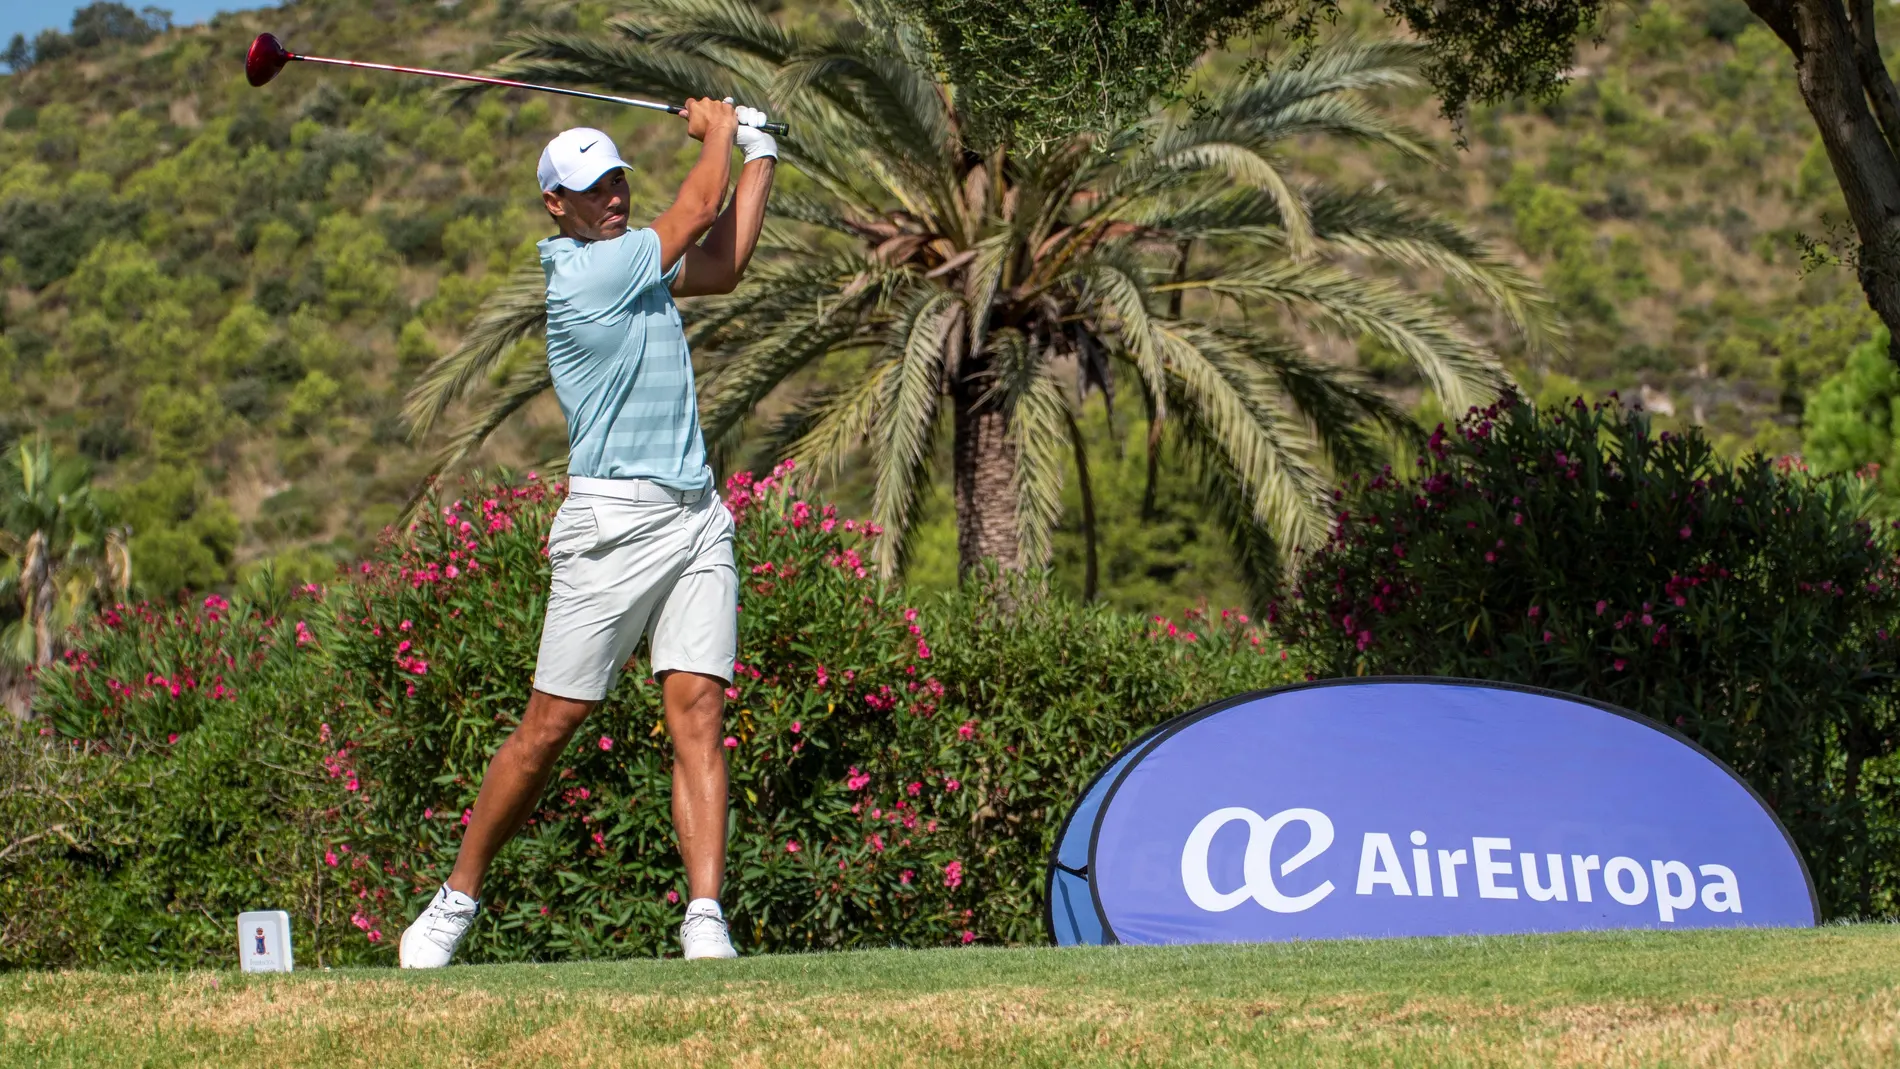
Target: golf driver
(267,56)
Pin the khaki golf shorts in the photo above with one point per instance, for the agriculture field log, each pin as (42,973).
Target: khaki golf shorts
(630,555)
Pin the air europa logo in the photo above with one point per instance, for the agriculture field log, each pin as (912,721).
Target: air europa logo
(1491,870)
(1387,807)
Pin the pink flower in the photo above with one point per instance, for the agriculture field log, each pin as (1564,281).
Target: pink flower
(914,789)
(451,571)
(599,839)
(1619,665)
(791,846)
(731,743)
(968,937)
(953,874)
(951,785)
(404,626)
(172,739)
(329,858)
(796,726)
(428,814)
(1602,605)
(466,813)
(905,876)
(403,646)
(966,731)
(857,781)
(606,743)
(732,693)
(672,898)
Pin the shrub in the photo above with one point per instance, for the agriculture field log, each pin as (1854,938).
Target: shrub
(1745,605)
(1049,691)
(897,771)
(176,782)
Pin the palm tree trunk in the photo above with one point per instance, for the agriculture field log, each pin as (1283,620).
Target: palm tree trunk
(1090,570)
(985,462)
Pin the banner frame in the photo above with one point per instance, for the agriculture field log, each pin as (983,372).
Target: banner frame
(1167,729)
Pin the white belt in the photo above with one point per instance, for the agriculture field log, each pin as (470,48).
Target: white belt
(634,490)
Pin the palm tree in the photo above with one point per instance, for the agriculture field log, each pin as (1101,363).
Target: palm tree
(61,553)
(976,283)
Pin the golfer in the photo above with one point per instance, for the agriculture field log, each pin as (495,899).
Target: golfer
(642,542)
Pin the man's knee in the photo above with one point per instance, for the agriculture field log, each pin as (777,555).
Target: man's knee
(695,706)
(550,723)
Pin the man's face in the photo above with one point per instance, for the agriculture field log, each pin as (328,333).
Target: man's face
(597,213)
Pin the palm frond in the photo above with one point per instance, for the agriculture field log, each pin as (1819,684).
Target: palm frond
(922,340)
(702,27)
(1039,422)
(515,393)
(1460,370)
(838,422)
(1266,451)
(1384,227)
(515,311)
(1115,286)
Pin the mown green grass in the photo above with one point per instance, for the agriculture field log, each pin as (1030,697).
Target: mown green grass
(1827,997)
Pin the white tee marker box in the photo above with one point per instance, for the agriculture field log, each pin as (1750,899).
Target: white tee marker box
(264,941)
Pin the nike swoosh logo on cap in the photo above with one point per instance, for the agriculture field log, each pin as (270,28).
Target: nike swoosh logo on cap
(589,145)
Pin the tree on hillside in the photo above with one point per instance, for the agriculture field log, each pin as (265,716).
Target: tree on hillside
(1850,421)
(61,551)
(971,283)
(1850,92)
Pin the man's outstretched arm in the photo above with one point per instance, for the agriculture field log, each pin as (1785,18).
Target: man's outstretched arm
(716,264)
(696,209)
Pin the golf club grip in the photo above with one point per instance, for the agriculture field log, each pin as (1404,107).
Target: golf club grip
(776,128)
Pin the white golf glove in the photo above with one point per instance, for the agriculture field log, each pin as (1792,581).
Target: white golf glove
(754,142)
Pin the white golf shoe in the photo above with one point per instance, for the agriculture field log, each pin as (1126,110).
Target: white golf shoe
(703,933)
(430,942)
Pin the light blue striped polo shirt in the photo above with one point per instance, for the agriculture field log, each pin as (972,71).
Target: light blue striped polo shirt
(620,364)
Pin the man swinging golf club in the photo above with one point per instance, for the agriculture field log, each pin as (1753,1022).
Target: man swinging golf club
(642,542)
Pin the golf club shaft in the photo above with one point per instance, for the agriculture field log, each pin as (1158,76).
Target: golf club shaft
(770,128)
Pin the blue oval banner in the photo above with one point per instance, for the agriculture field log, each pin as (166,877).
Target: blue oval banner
(1404,807)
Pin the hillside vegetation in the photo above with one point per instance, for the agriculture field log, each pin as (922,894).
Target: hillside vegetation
(219,294)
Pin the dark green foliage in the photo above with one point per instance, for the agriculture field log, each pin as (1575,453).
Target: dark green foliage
(1851,417)
(896,774)
(1489,51)
(1032,70)
(1039,69)
(49,238)
(171,789)
(1746,605)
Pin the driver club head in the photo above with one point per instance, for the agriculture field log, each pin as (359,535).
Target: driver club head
(266,57)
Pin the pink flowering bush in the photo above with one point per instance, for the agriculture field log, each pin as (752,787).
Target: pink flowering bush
(1746,605)
(197,779)
(440,634)
(897,770)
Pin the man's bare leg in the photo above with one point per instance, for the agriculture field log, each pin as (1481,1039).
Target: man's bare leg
(695,705)
(516,776)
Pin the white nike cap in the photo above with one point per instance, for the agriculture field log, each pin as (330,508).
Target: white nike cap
(576,159)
